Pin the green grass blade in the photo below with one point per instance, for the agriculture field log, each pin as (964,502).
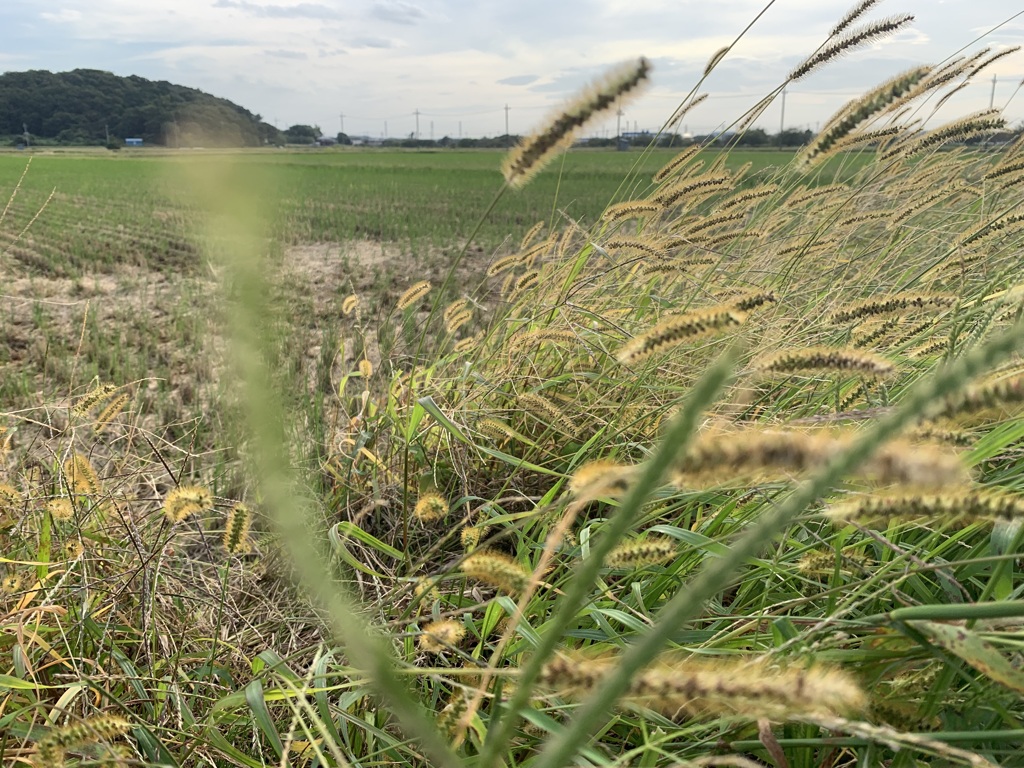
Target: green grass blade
(258,707)
(966,645)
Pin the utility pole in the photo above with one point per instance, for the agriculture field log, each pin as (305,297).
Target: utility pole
(417,113)
(460,129)
(992,98)
(431,130)
(782,117)
(385,129)
(507,139)
(342,116)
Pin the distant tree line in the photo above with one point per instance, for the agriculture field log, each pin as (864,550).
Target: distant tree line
(92,107)
(753,138)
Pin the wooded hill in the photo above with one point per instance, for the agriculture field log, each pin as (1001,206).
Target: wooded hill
(88,106)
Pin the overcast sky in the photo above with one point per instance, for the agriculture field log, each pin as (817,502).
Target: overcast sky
(460,62)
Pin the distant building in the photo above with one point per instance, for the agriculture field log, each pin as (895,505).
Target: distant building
(133,142)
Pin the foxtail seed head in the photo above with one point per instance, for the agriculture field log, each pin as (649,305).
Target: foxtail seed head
(852,15)
(687,686)
(977,124)
(679,328)
(53,746)
(538,149)
(90,400)
(746,301)
(61,508)
(110,411)
(426,589)
(413,294)
(185,501)
(724,455)
(716,57)
(546,410)
(853,38)
(888,305)
(11,584)
(992,59)
(497,570)
(524,283)
(652,550)
(640,246)
(825,359)
(457,307)
(955,506)
(73,549)
(993,394)
(439,636)
(454,322)
(676,163)
(601,478)
(856,112)
(471,535)
(504,264)
(823,562)
(684,109)
(81,476)
(539,336)
(497,429)
(236,529)
(462,346)
(687,190)
(631,210)
(349,304)
(531,233)
(430,507)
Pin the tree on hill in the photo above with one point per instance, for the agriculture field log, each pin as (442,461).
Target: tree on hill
(84,106)
(302,134)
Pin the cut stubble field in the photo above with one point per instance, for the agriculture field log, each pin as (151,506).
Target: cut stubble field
(111,280)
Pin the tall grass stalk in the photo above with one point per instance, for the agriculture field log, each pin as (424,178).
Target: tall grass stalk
(234,221)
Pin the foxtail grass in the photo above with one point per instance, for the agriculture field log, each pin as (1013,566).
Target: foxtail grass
(537,150)
(848,40)
(684,688)
(825,359)
(53,747)
(954,506)
(677,329)
(185,501)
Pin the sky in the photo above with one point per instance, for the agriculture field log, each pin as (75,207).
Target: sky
(369,66)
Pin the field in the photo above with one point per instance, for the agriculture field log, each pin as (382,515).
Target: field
(334,458)
(130,209)
(120,234)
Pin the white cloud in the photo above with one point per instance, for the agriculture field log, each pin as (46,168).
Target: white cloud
(64,15)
